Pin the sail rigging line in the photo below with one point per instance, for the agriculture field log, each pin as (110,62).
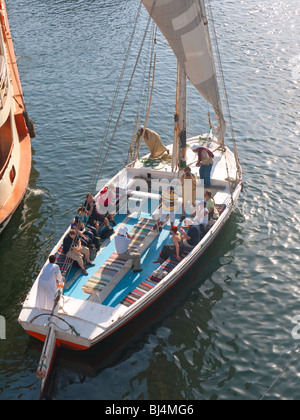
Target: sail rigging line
(221,72)
(148,111)
(98,170)
(98,166)
(222,78)
(136,142)
(175,152)
(123,104)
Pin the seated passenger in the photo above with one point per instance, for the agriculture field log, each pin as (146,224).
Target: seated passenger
(92,212)
(210,202)
(122,242)
(192,237)
(73,249)
(86,237)
(83,217)
(172,249)
(213,213)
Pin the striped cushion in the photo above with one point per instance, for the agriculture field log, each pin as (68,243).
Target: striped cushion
(147,285)
(62,261)
(104,275)
(111,268)
(221,208)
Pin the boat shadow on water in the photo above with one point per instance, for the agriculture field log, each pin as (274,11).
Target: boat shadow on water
(132,337)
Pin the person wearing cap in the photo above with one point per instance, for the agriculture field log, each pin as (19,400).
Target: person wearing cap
(122,242)
(205,162)
(192,237)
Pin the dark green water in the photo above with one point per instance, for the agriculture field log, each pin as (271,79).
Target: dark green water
(226,331)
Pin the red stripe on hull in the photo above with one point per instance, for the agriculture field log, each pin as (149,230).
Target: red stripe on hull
(59,343)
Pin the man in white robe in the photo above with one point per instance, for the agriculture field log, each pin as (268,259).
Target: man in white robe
(47,285)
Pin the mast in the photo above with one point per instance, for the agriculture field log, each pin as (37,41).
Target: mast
(182,115)
(179,143)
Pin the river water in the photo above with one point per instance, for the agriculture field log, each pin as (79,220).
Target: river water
(226,331)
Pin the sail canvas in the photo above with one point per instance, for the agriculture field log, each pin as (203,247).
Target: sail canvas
(184,25)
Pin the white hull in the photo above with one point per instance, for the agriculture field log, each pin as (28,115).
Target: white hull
(4,224)
(94,321)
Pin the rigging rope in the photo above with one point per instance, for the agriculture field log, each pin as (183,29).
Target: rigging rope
(100,160)
(146,120)
(98,169)
(136,142)
(221,72)
(99,163)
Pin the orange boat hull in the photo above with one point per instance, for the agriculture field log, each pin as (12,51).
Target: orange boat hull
(19,172)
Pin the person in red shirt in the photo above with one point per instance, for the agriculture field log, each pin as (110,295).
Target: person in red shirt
(205,162)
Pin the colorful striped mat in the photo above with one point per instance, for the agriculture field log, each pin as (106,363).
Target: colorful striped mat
(62,261)
(147,285)
(152,281)
(104,275)
(114,263)
(220,208)
(140,231)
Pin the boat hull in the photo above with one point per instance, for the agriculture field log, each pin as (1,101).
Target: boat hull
(82,342)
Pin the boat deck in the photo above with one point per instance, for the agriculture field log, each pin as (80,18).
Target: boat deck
(102,285)
(224,166)
(130,280)
(127,288)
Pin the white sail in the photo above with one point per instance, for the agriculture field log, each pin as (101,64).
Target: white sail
(184,25)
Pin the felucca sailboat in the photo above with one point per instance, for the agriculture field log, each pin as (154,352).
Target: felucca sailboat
(91,307)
